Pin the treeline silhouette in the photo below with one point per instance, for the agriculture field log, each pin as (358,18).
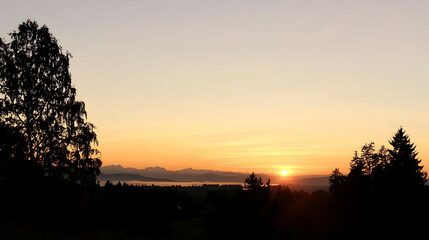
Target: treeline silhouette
(385,190)
(48,170)
(124,211)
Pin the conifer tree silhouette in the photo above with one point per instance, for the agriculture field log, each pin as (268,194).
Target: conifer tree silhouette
(404,171)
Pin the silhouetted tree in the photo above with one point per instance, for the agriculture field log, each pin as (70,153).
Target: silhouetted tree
(253,182)
(38,99)
(336,182)
(404,171)
(384,188)
(108,184)
(357,179)
(367,172)
(369,158)
(357,164)
(378,172)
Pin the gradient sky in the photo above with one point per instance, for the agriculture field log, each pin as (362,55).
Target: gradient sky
(244,85)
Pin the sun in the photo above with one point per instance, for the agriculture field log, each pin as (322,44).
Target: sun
(284,173)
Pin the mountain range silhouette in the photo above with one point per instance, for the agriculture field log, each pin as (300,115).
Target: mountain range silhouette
(160,174)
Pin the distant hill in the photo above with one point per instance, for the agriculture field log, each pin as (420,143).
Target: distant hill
(184,175)
(313,180)
(130,177)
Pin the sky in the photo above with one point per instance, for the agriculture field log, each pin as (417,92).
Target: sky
(243,85)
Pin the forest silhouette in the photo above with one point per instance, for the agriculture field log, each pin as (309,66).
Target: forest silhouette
(49,166)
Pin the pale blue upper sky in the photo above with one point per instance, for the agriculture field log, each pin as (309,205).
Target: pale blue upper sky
(243,85)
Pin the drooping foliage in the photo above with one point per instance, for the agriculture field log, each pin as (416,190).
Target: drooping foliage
(38,99)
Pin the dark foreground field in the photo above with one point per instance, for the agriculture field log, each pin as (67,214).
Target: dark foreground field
(207,212)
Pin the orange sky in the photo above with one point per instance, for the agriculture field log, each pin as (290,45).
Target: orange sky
(243,85)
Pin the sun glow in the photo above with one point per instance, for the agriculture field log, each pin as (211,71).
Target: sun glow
(284,173)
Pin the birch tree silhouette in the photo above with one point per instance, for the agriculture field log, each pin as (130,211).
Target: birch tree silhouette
(38,98)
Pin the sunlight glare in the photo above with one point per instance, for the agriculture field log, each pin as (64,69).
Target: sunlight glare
(284,173)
